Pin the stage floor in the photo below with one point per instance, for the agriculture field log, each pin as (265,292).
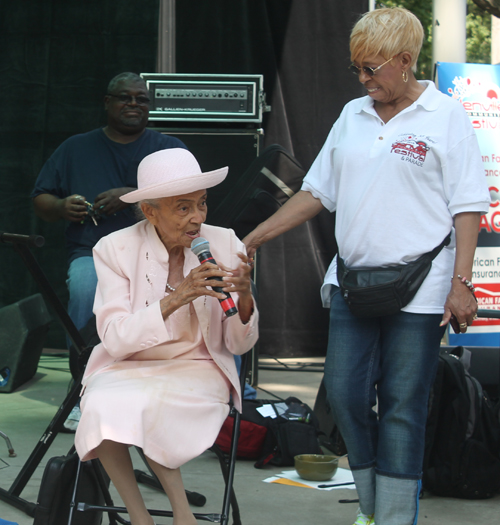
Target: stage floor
(25,414)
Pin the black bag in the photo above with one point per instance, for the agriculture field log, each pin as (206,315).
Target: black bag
(462,452)
(56,491)
(273,441)
(329,433)
(374,292)
(287,439)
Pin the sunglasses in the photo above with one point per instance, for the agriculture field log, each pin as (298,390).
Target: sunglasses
(127,99)
(368,70)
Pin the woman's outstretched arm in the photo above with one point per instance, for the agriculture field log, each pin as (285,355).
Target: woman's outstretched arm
(299,209)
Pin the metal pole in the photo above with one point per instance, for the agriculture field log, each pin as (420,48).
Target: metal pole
(495,40)
(448,30)
(165,62)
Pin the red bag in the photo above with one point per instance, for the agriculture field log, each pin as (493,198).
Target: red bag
(250,442)
(274,441)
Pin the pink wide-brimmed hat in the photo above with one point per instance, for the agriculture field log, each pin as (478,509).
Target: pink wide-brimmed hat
(171,172)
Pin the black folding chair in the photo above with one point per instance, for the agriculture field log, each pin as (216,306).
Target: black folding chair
(227,464)
(12,495)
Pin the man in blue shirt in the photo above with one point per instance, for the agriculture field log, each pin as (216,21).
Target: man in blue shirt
(84,178)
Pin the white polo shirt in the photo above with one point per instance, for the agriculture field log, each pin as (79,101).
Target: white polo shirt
(396,187)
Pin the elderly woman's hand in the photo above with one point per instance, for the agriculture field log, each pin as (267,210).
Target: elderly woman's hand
(460,307)
(239,281)
(196,284)
(200,281)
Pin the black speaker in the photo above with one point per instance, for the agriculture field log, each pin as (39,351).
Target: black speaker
(216,148)
(23,326)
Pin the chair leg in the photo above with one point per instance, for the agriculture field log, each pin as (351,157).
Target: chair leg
(228,474)
(73,496)
(223,462)
(114,518)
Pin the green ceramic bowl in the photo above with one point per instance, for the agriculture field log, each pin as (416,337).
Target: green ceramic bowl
(316,467)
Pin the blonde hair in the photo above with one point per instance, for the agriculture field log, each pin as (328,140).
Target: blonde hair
(387,32)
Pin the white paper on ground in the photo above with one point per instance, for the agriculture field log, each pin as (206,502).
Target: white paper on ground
(341,476)
(269,411)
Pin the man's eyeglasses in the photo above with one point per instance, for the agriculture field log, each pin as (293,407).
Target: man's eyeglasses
(140,100)
(368,70)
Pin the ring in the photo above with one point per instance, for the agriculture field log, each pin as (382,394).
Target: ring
(463,325)
(475,317)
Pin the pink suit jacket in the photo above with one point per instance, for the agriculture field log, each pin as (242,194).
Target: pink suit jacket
(132,269)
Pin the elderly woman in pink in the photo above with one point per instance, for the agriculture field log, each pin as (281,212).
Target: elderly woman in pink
(162,377)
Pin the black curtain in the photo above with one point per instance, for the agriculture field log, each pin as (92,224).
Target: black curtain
(302,49)
(58,55)
(57,58)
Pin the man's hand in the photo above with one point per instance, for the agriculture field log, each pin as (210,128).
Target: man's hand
(108,202)
(51,208)
(73,208)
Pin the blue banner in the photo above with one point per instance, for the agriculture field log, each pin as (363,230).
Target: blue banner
(476,87)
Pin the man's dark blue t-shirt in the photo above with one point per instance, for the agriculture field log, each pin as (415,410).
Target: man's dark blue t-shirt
(90,164)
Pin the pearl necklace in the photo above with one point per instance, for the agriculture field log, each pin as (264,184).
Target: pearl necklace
(170,288)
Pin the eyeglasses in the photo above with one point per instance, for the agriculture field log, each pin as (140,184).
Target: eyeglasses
(368,70)
(140,100)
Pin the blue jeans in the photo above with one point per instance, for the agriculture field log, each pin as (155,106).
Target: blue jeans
(249,392)
(392,361)
(82,284)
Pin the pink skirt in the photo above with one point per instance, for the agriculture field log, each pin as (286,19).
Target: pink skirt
(172,409)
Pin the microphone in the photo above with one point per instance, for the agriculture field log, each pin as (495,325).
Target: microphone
(201,248)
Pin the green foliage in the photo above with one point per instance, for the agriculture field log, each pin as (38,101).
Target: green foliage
(422,9)
(478,27)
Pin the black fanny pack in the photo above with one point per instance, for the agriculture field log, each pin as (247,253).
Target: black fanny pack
(374,292)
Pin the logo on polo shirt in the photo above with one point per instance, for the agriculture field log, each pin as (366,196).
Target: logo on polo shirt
(411,148)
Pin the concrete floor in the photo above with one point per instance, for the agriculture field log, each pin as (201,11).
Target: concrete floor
(25,414)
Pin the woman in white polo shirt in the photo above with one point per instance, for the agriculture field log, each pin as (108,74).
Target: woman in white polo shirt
(401,168)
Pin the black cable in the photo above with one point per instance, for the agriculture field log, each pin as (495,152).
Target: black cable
(54,356)
(45,360)
(270,393)
(54,369)
(292,367)
(281,369)
(297,366)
